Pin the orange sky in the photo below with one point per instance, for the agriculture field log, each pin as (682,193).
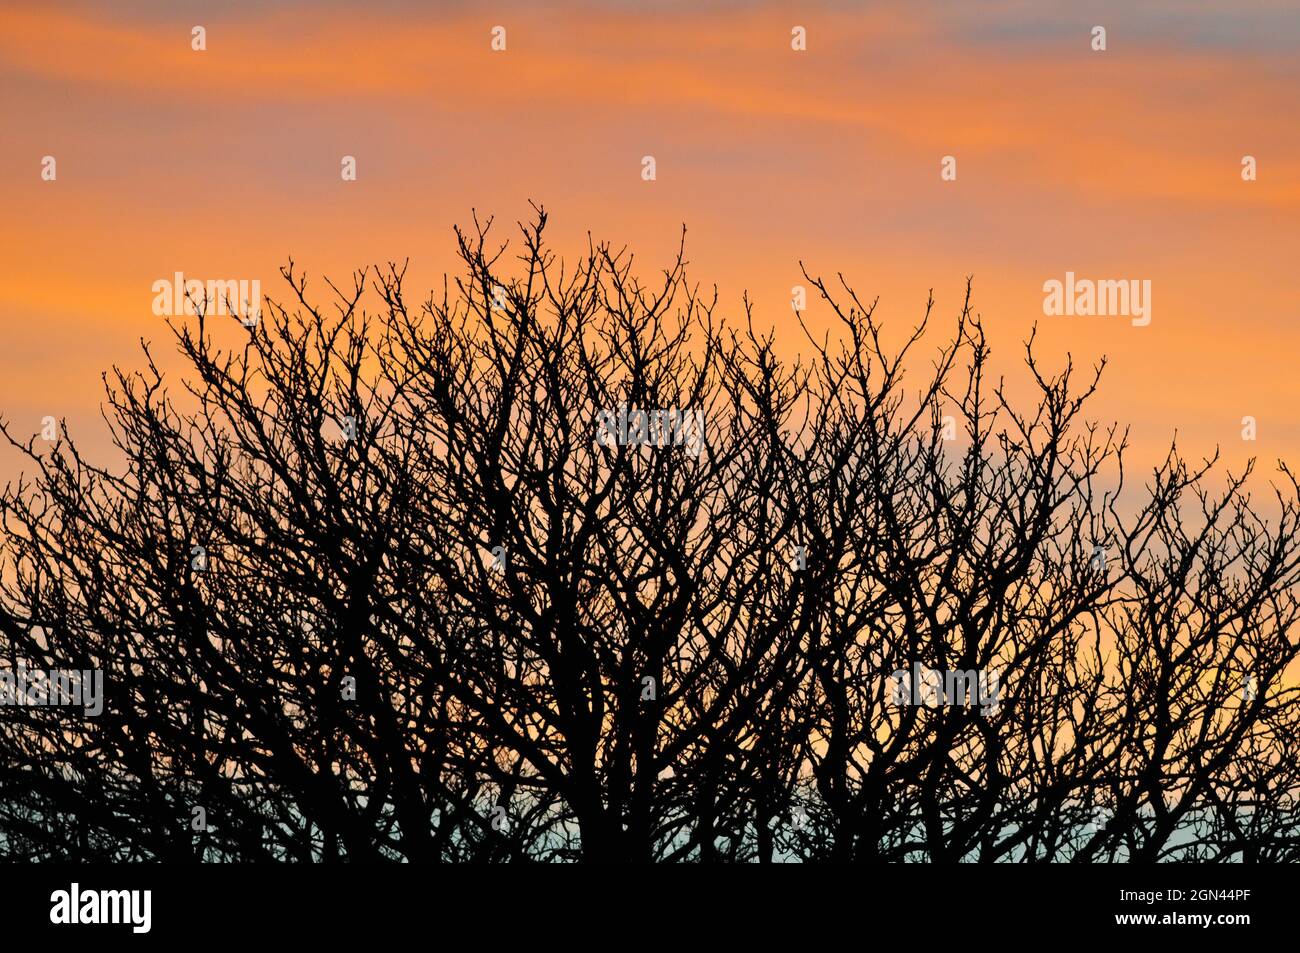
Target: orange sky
(1117,164)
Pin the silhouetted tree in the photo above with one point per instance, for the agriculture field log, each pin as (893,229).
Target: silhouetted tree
(467,582)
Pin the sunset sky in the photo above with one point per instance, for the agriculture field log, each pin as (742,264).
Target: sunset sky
(1121,164)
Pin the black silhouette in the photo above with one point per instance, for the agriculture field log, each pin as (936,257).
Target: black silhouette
(423,584)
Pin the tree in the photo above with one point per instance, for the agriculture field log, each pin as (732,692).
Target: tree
(561,566)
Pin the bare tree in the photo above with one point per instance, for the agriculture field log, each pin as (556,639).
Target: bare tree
(557,565)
